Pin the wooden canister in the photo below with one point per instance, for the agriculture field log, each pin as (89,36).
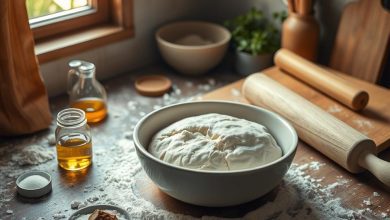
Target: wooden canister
(300,34)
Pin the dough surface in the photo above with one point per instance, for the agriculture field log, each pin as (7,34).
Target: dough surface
(215,142)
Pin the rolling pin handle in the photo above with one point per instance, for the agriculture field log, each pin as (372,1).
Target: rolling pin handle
(380,168)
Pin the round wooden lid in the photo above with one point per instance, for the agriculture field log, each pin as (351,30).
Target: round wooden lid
(153,85)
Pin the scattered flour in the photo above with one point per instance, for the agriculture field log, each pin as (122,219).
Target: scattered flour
(75,204)
(299,196)
(315,165)
(93,199)
(132,105)
(177,97)
(364,124)
(51,140)
(156,107)
(82,205)
(99,152)
(376,194)
(128,134)
(59,216)
(166,96)
(33,155)
(335,185)
(367,202)
(334,109)
(176,90)
(189,84)
(303,167)
(211,81)
(235,92)
(204,87)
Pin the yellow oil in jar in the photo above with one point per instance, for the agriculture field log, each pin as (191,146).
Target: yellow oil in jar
(95,109)
(74,151)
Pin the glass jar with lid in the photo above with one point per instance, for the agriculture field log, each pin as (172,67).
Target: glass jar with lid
(85,92)
(73,140)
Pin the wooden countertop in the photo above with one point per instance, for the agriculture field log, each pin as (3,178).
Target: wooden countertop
(68,186)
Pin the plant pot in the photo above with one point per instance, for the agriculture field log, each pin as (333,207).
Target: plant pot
(246,63)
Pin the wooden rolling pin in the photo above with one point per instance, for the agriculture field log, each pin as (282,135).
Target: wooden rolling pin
(321,79)
(341,143)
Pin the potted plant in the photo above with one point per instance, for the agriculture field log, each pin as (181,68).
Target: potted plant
(255,39)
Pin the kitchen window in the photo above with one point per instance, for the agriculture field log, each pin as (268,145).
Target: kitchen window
(64,27)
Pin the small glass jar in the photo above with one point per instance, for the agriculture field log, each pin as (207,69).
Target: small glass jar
(73,140)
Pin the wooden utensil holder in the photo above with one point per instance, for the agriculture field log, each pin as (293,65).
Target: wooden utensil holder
(300,34)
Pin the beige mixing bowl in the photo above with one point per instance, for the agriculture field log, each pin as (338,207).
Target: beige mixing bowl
(214,188)
(197,57)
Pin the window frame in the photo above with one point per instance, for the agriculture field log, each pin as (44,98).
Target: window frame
(98,14)
(108,21)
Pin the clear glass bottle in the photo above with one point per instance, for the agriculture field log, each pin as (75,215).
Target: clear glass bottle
(73,140)
(85,92)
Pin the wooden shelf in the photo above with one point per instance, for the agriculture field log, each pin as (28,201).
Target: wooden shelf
(54,48)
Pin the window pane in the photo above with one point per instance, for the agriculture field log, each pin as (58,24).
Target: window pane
(39,8)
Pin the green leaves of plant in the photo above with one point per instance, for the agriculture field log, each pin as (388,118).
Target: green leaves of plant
(254,33)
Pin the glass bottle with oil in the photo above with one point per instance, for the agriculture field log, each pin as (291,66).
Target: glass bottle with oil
(85,92)
(73,140)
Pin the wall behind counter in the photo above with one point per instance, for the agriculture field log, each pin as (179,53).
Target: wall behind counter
(140,51)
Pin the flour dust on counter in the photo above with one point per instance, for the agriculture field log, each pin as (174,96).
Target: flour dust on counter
(116,171)
(33,155)
(37,152)
(23,157)
(334,109)
(363,124)
(300,196)
(176,95)
(235,92)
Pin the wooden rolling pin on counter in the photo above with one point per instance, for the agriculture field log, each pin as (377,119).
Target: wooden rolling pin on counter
(321,79)
(338,141)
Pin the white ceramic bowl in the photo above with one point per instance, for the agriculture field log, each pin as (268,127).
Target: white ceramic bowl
(214,188)
(189,58)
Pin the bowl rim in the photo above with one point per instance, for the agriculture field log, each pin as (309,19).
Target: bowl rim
(179,46)
(146,153)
